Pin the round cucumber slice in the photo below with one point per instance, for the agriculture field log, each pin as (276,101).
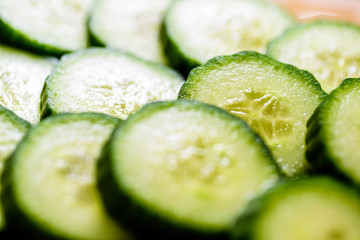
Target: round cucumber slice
(12,131)
(46,26)
(22,77)
(328,49)
(275,99)
(311,209)
(49,182)
(133,26)
(108,81)
(333,133)
(198,30)
(183,170)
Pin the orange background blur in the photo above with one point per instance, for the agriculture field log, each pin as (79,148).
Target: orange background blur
(348,10)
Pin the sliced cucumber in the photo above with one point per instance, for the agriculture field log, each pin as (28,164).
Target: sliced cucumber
(45,26)
(328,49)
(197,30)
(183,170)
(107,81)
(311,209)
(334,135)
(12,131)
(275,99)
(22,77)
(133,26)
(49,182)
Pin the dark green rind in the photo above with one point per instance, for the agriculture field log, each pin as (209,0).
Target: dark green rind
(217,63)
(14,118)
(14,37)
(45,110)
(130,211)
(94,39)
(291,32)
(177,59)
(317,152)
(245,227)
(19,225)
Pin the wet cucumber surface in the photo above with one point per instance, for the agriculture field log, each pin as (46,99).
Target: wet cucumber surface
(183,171)
(275,99)
(22,77)
(108,81)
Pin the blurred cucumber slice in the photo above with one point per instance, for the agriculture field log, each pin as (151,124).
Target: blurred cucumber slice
(46,26)
(310,208)
(327,49)
(133,26)
(198,30)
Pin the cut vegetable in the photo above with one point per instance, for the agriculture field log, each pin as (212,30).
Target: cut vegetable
(334,135)
(107,81)
(328,49)
(133,26)
(197,30)
(45,26)
(311,209)
(183,170)
(275,99)
(12,131)
(22,77)
(49,182)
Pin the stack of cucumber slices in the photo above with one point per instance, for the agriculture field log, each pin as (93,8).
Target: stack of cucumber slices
(177,119)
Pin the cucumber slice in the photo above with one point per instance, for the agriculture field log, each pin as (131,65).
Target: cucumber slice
(133,26)
(49,182)
(46,26)
(197,30)
(107,81)
(12,131)
(328,49)
(311,209)
(333,133)
(183,170)
(275,99)
(22,77)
